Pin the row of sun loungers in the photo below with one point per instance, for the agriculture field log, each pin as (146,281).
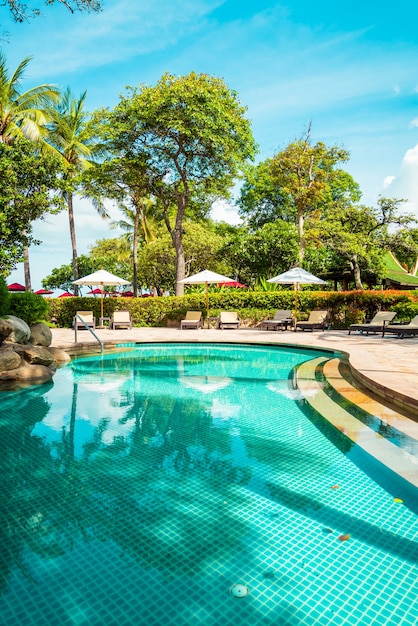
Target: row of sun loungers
(317,320)
(381,324)
(282,320)
(119,319)
(226,319)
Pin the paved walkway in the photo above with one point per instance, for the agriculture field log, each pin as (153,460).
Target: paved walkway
(389,364)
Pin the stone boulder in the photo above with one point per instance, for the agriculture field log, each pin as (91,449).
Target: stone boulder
(20,330)
(25,353)
(40,335)
(28,372)
(9,359)
(61,356)
(5,329)
(34,355)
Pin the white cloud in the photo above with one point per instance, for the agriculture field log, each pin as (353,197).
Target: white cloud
(223,211)
(405,184)
(388,181)
(414,123)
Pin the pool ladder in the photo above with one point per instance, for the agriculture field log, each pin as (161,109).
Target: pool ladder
(90,330)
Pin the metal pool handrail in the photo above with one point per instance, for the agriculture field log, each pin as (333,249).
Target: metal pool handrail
(89,328)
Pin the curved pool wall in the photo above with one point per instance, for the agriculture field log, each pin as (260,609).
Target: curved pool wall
(141,487)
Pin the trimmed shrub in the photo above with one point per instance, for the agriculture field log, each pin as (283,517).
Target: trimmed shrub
(4,297)
(30,307)
(346,307)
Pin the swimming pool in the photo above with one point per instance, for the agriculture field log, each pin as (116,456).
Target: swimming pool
(146,487)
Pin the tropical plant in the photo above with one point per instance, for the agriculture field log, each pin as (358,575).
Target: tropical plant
(70,133)
(23,113)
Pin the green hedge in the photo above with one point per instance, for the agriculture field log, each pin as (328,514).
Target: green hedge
(346,307)
(28,306)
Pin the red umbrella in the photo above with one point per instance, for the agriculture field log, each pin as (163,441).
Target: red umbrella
(232,283)
(127,294)
(66,294)
(97,292)
(16,287)
(44,292)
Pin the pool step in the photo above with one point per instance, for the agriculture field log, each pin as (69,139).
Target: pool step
(312,388)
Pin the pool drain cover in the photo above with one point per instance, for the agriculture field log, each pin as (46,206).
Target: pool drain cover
(239,591)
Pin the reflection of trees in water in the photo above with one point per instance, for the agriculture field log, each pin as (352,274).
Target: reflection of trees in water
(165,494)
(24,463)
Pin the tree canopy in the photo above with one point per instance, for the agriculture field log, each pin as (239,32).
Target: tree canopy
(190,135)
(27,183)
(300,181)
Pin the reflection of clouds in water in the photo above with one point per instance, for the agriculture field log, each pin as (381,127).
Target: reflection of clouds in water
(282,387)
(98,399)
(223,410)
(205,384)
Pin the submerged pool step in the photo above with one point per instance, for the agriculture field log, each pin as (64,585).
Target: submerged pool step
(387,416)
(394,457)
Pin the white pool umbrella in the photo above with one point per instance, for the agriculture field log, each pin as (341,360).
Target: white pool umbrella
(297,276)
(101,278)
(206,278)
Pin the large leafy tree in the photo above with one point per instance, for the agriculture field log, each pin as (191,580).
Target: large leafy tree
(23,11)
(301,181)
(358,235)
(27,182)
(191,134)
(71,135)
(263,253)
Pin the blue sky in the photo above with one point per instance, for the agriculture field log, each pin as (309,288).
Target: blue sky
(349,69)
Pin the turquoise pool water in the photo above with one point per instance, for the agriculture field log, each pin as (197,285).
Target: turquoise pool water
(140,487)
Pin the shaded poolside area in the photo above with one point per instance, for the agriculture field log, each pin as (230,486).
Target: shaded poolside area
(388,364)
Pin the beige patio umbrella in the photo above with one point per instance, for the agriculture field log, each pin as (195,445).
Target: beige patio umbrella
(297,276)
(206,278)
(101,278)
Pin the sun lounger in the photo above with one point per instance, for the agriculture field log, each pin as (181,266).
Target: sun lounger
(121,319)
(87,320)
(401,330)
(228,319)
(193,319)
(376,325)
(317,321)
(282,319)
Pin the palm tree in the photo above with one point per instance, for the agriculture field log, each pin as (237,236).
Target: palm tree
(70,134)
(24,114)
(138,223)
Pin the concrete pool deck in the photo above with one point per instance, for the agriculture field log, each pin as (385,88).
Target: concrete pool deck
(388,365)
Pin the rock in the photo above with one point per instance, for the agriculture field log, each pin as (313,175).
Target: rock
(34,355)
(40,335)
(61,356)
(28,372)
(20,330)
(9,360)
(5,329)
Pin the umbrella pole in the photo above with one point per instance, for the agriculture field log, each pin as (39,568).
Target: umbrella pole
(296,303)
(101,308)
(207,304)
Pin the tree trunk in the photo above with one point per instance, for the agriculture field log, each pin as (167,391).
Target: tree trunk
(73,239)
(356,272)
(26,266)
(178,245)
(135,252)
(301,232)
